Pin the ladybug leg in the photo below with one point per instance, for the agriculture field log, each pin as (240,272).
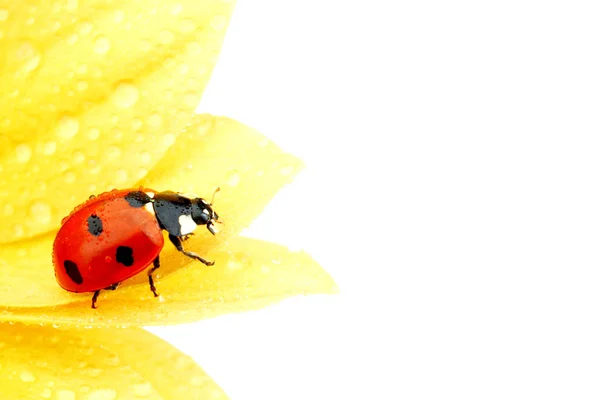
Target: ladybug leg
(187,237)
(97,292)
(150,280)
(176,240)
(94,298)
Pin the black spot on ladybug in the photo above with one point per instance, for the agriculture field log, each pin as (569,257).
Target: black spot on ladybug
(94,225)
(73,272)
(125,255)
(137,199)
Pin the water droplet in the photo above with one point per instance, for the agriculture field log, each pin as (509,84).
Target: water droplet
(70,177)
(72,5)
(177,8)
(145,157)
(194,48)
(49,148)
(82,69)
(3,14)
(187,26)
(155,120)
(8,210)
(114,152)
(238,261)
(85,28)
(82,85)
(136,124)
(118,16)
(264,269)
(101,44)
(23,153)
(142,172)
(93,134)
(29,58)
(113,360)
(198,380)
(166,37)
(168,139)
(46,393)
(233,177)
(260,172)
(184,69)
(41,212)
(67,127)
(78,157)
(27,376)
(218,22)
(142,389)
(72,39)
(122,175)
(65,394)
(125,95)
(93,166)
(286,170)
(94,372)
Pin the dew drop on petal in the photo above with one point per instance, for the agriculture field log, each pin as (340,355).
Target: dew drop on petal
(27,376)
(46,393)
(23,153)
(102,44)
(93,134)
(72,5)
(233,177)
(65,394)
(67,127)
(286,170)
(118,16)
(3,14)
(168,140)
(145,157)
(114,152)
(8,210)
(218,22)
(49,148)
(102,394)
(187,26)
(166,36)
(142,389)
(29,58)
(155,120)
(177,8)
(82,85)
(41,212)
(121,175)
(125,95)
(70,177)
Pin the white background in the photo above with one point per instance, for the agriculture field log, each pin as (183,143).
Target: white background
(451,189)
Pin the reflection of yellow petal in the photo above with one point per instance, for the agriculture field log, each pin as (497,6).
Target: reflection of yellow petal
(45,362)
(92,95)
(247,274)
(211,152)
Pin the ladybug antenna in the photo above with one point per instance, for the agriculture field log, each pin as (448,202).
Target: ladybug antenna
(213,196)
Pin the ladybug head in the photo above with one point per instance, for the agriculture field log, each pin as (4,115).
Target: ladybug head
(203,213)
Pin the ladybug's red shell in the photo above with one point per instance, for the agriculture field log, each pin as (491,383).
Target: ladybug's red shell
(105,241)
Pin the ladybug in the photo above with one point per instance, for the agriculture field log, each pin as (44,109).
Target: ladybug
(117,234)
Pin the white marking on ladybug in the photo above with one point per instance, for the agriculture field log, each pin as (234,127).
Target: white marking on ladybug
(150,194)
(204,201)
(205,211)
(186,224)
(150,208)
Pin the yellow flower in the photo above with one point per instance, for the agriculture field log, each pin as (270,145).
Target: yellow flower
(99,95)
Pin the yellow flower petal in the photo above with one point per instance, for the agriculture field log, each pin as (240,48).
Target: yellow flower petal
(207,154)
(247,274)
(92,95)
(38,362)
